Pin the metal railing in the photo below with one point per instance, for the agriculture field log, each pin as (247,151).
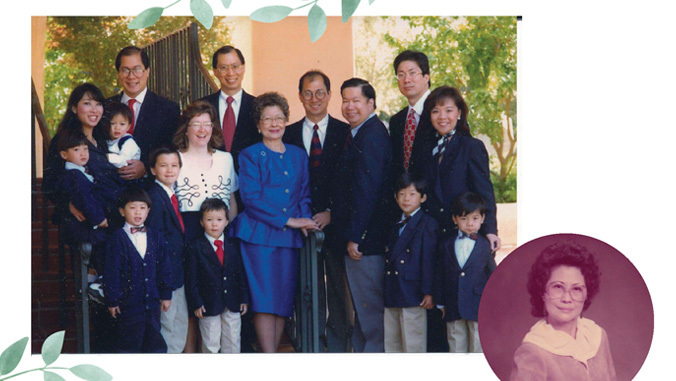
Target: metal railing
(177,71)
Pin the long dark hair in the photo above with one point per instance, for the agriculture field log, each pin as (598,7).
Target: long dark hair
(70,122)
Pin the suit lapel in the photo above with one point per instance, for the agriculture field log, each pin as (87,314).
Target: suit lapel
(208,251)
(331,141)
(478,246)
(407,234)
(148,104)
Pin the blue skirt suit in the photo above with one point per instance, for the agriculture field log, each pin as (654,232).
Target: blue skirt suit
(274,186)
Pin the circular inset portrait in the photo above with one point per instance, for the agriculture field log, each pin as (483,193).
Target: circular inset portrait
(566,307)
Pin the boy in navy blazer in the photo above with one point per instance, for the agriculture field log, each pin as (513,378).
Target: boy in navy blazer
(215,282)
(409,270)
(137,278)
(165,164)
(80,187)
(466,263)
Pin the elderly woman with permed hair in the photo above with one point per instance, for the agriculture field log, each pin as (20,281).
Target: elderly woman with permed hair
(563,345)
(275,191)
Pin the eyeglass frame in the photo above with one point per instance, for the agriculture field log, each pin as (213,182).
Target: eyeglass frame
(566,290)
(225,68)
(267,121)
(403,74)
(315,94)
(198,125)
(137,71)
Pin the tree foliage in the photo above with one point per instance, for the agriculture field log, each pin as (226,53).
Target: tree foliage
(83,49)
(478,56)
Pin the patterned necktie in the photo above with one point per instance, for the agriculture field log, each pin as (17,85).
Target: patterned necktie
(315,148)
(137,229)
(219,249)
(348,139)
(409,137)
(229,124)
(174,202)
(438,151)
(133,116)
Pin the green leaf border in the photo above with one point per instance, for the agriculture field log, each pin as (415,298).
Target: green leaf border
(203,12)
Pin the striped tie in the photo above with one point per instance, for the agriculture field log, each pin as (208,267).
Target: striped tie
(438,151)
(315,149)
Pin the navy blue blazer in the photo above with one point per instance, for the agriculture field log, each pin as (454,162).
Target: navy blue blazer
(163,218)
(210,284)
(363,189)
(274,187)
(460,289)
(246,133)
(423,143)
(133,283)
(323,178)
(156,123)
(106,181)
(463,168)
(409,262)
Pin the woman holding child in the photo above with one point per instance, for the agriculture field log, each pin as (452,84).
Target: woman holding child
(84,116)
(274,187)
(458,163)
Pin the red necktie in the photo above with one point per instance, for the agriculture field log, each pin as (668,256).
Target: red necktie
(348,139)
(229,124)
(133,116)
(409,136)
(174,202)
(219,249)
(315,149)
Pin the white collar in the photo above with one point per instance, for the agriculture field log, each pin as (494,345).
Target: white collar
(237,96)
(355,130)
(70,165)
(139,98)
(403,215)
(170,191)
(322,124)
(420,104)
(212,239)
(582,347)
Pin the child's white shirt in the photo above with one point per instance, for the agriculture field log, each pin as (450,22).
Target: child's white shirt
(138,239)
(119,156)
(463,248)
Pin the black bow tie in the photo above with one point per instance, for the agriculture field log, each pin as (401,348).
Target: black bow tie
(472,236)
(141,229)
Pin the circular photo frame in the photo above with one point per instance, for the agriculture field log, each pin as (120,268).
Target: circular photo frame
(622,307)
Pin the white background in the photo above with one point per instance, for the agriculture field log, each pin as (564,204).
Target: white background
(596,81)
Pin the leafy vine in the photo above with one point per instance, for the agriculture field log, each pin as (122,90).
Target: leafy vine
(51,349)
(316,17)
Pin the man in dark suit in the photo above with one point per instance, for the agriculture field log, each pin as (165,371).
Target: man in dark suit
(234,105)
(413,138)
(323,138)
(359,206)
(155,117)
(411,132)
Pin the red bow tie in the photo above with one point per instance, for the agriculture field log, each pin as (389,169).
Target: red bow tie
(141,229)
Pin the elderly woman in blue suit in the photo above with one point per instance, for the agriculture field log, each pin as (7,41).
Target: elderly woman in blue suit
(275,191)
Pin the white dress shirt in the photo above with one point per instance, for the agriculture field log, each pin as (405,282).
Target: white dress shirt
(139,101)
(463,248)
(139,239)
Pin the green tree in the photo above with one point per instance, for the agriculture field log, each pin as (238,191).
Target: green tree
(83,49)
(478,56)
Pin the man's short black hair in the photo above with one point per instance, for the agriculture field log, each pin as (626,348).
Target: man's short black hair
(467,203)
(163,151)
(312,74)
(366,89)
(130,51)
(406,180)
(419,58)
(225,50)
(132,194)
(213,204)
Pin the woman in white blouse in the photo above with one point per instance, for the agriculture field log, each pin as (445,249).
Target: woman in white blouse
(206,171)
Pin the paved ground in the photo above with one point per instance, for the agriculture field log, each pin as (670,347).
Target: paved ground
(506,230)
